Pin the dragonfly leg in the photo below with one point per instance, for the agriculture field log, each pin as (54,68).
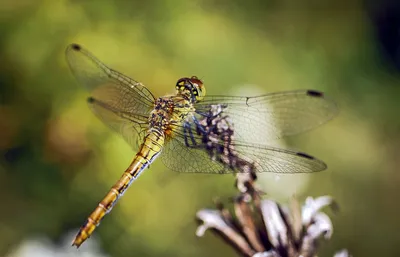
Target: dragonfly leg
(217,132)
(185,135)
(198,126)
(187,132)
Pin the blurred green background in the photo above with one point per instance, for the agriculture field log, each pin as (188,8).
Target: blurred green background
(58,160)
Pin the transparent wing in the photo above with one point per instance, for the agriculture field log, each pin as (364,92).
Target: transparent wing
(234,145)
(272,159)
(189,153)
(178,157)
(119,101)
(272,116)
(125,123)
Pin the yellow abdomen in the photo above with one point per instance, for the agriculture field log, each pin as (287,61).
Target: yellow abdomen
(151,147)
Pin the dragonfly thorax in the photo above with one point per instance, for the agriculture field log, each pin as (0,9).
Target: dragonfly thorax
(192,88)
(170,111)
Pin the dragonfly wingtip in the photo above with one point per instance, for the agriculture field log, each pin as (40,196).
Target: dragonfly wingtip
(76,47)
(304,155)
(90,99)
(315,93)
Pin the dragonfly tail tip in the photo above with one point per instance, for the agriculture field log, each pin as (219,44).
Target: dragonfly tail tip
(76,243)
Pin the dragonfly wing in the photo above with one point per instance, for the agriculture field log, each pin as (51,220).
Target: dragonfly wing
(277,160)
(210,145)
(184,153)
(177,156)
(272,116)
(119,101)
(126,124)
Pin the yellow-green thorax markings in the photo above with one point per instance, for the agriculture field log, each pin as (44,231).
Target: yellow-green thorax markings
(172,111)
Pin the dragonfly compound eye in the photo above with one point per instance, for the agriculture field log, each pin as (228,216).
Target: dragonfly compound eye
(192,86)
(198,89)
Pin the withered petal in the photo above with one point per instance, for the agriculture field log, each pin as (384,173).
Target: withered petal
(270,253)
(275,225)
(313,206)
(210,219)
(342,253)
(322,225)
(214,220)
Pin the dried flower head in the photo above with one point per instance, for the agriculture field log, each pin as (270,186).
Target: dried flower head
(262,227)
(259,227)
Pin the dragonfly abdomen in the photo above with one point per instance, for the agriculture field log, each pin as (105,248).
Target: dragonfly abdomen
(149,150)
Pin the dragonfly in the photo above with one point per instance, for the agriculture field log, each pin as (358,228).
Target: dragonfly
(170,126)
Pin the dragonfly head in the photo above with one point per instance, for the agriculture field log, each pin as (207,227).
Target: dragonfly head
(192,87)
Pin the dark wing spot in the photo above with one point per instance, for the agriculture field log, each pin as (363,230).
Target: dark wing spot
(305,155)
(315,93)
(76,47)
(91,100)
